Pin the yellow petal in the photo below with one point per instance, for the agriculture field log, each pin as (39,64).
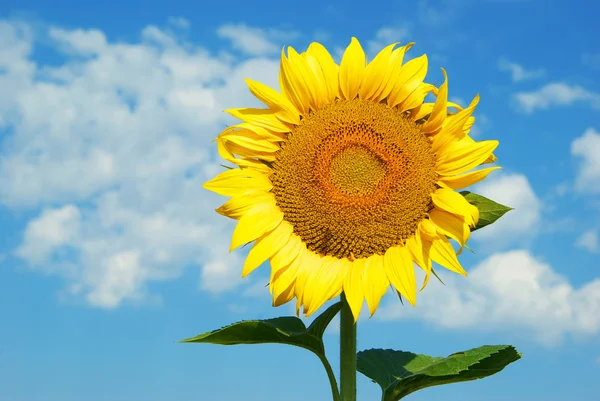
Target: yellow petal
(426,241)
(255,147)
(415,248)
(324,285)
(283,108)
(465,180)
(419,246)
(328,67)
(375,73)
(266,246)
(451,225)
(249,140)
(459,157)
(263,133)
(467,139)
(398,265)
(353,286)
(444,255)
(438,114)
(411,73)
(256,165)
(237,206)
(252,131)
(352,69)
(262,117)
(303,80)
(314,285)
(310,266)
(454,202)
(321,91)
(468,125)
(224,150)
(421,111)
(287,85)
(394,68)
(262,218)
(243,152)
(286,255)
(453,127)
(455,106)
(416,97)
(283,292)
(428,229)
(287,277)
(236,181)
(375,281)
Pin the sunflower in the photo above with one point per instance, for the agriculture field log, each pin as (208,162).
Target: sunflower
(347,178)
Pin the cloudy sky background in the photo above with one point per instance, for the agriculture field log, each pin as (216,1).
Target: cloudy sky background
(110,250)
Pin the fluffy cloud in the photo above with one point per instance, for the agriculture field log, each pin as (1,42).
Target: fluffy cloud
(587,148)
(588,241)
(52,230)
(556,94)
(386,36)
(113,144)
(521,223)
(518,72)
(255,41)
(508,291)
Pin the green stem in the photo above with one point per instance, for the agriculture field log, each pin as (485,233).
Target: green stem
(332,382)
(347,353)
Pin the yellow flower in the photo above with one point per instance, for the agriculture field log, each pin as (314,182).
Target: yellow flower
(348,177)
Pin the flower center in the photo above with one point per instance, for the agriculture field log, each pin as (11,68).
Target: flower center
(354,178)
(356,170)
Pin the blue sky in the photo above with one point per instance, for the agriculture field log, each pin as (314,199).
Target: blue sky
(110,250)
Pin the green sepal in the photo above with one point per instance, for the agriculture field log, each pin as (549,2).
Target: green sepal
(489,211)
(400,373)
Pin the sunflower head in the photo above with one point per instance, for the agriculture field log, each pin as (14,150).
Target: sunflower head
(347,178)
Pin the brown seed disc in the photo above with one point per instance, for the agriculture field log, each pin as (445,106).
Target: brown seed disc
(354,178)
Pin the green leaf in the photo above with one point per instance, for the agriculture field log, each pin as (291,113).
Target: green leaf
(282,330)
(400,373)
(489,211)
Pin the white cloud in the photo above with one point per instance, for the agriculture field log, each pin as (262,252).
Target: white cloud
(79,41)
(255,41)
(508,291)
(518,72)
(588,241)
(386,36)
(512,190)
(587,147)
(556,94)
(114,145)
(53,229)
(15,47)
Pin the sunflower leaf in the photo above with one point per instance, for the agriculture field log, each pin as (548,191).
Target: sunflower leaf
(318,326)
(489,211)
(400,373)
(282,330)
